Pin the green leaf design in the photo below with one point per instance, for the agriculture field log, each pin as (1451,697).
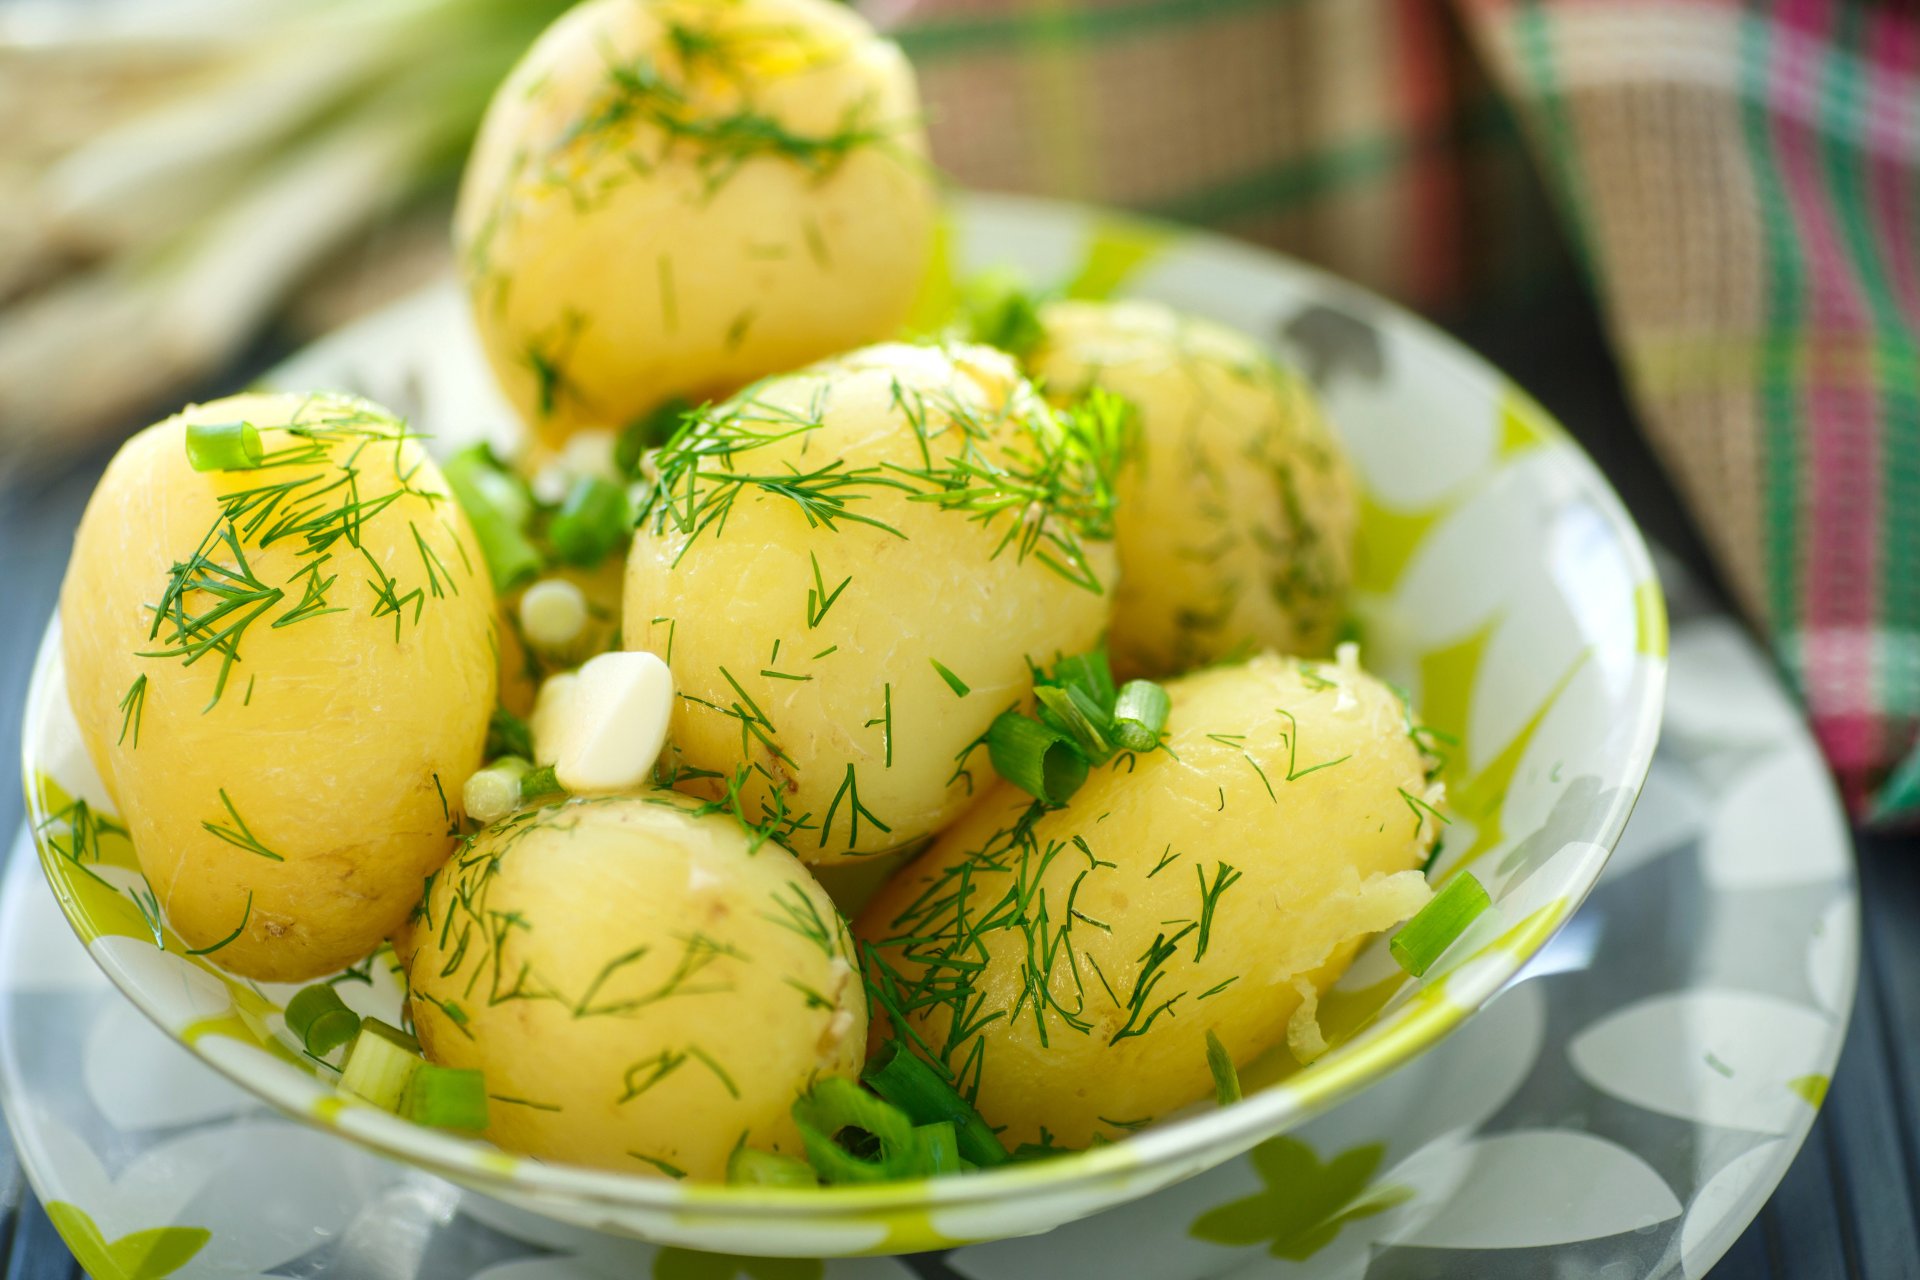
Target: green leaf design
(1304,1204)
(687,1264)
(141,1255)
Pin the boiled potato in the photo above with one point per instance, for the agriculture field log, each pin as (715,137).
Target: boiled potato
(848,570)
(674,197)
(278,673)
(1072,961)
(642,988)
(1236,530)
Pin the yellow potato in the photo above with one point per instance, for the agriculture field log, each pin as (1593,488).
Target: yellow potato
(278,672)
(1072,961)
(1236,530)
(641,987)
(674,197)
(808,607)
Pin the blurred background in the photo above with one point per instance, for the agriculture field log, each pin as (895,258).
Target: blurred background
(1691,227)
(1718,195)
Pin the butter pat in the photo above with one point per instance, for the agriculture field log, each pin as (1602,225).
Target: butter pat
(613,724)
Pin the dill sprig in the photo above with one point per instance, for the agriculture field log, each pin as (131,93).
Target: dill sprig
(239,835)
(1044,481)
(214,597)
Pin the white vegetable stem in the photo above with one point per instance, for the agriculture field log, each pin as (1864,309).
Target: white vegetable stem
(553,614)
(614,723)
(493,792)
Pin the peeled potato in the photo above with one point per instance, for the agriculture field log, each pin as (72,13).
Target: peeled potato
(641,987)
(280,673)
(1236,530)
(1072,961)
(675,197)
(808,614)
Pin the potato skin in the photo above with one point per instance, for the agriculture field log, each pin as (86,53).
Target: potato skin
(333,727)
(653,957)
(1236,531)
(1124,872)
(851,710)
(675,197)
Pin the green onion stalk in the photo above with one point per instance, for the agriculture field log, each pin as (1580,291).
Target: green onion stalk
(198,182)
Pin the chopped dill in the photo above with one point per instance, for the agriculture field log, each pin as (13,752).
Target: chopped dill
(1421,811)
(131,705)
(1224,877)
(239,834)
(1166,856)
(954,682)
(849,791)
(239,929)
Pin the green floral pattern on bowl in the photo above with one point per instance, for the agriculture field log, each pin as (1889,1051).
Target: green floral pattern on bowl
(1500,582)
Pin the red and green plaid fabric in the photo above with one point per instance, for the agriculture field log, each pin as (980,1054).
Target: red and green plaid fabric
(1740,181)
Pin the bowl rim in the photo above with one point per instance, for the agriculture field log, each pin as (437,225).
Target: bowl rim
(1226,1130)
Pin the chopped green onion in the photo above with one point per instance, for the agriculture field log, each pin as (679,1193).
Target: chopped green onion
(447,1098)
(507,493)
(1073,712)
(648,432)
(1139,714)
(750,1168)
(510,557)
(537,784)
(1000,312)
(223,446)
(1037,759)
(1425,938)
(881,1137)
(494,792)
(381,1064)
(936,1148)
(1226,1081)
(1090,672)
(592,523)
(321,1019)
(553,615)
(897,1074)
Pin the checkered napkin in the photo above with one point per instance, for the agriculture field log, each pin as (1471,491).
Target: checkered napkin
(1740,182)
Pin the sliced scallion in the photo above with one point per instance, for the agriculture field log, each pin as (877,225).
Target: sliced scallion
(1425,938)
(321,1020)
(897,1074)
(511,558)
(1089,672)
(1226,1080)
(494,792)
(447,1098)
(223,446)
(381,1064)
(751,1168)
(1139,714)
(592,522)
(1039,760)
(936,1148)
(852,1136)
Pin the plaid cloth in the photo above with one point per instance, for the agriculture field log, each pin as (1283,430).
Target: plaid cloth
(1740,182)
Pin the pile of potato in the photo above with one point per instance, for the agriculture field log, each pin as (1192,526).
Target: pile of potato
(851,558)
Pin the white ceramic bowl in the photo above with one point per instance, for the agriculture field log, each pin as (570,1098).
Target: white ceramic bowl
(1500,581)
